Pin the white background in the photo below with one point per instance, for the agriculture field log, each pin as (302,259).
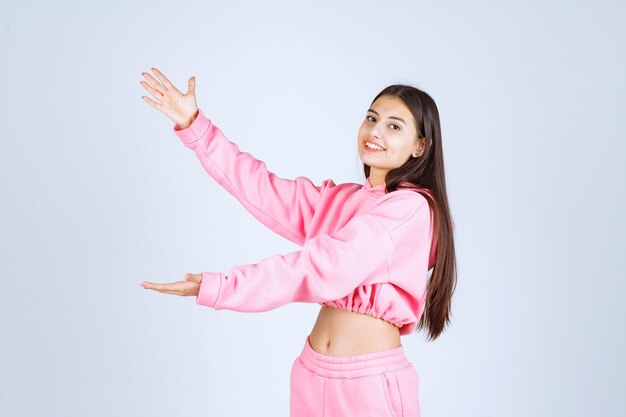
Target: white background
(98,195)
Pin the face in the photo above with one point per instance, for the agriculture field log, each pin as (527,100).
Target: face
(389,124)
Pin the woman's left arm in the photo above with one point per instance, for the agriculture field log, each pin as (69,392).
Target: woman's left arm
(328,267)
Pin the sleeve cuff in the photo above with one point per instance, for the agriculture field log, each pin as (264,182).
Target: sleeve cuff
(210,288)
(194,131)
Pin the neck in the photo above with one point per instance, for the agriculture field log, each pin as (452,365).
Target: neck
(376,179)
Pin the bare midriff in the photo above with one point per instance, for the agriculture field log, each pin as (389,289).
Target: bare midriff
(340,332)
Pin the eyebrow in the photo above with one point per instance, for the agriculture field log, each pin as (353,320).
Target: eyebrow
(391,117)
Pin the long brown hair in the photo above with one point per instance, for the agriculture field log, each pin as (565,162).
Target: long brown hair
(426,173)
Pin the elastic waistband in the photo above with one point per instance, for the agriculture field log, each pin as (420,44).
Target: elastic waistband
(353,366)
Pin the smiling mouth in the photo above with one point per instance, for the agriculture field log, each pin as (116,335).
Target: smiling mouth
(372,147)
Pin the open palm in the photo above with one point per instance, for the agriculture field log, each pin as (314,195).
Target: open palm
(180,108)
(189,287)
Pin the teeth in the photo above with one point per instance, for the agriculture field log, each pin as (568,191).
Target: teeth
(372,146)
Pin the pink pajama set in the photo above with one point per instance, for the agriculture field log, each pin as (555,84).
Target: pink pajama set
(362,250)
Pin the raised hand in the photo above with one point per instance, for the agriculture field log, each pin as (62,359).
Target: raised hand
(189,287)
(180,108)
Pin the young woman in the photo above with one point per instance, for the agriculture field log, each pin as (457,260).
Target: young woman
(367,250)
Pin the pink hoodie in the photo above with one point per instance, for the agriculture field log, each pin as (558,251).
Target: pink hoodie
(363,250)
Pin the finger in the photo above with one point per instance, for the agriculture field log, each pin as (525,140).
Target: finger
(154,83)
(163,79)
(194,277)
(149,285)
(156,93)
(191,86)
(176,288)
(152,103)
(157,287)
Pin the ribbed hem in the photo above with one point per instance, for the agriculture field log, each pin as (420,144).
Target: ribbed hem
(209,288)
(194,131)
(357,366)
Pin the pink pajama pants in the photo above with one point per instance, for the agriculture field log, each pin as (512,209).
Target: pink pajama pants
(376,384)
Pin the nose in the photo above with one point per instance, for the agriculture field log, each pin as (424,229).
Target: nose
(375,132)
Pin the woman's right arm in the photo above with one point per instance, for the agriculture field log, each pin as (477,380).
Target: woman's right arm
(285,206)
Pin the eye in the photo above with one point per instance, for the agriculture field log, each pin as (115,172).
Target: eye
(368,117)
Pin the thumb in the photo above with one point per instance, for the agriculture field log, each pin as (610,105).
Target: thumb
(193,277)
(191,86)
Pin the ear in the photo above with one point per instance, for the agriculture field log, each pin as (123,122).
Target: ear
(419,149)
